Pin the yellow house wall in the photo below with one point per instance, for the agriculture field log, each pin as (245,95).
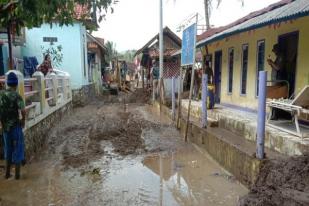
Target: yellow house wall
(270,34)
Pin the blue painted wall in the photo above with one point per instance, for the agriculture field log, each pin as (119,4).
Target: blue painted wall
(16,51)
(72,38)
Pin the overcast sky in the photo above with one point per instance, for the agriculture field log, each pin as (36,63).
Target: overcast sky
(135,22)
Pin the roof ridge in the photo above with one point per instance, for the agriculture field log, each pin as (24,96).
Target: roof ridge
(254,14)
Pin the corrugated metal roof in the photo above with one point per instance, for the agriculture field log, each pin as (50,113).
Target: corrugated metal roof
(293,10)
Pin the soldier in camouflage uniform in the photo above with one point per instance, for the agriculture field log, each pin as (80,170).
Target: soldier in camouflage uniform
(11,105)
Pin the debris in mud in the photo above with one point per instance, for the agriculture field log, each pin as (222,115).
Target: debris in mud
(79,137)
(225,176)
(124,131)
(281,183)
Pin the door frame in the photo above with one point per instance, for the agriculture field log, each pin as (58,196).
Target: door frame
(218,76)
(297,54)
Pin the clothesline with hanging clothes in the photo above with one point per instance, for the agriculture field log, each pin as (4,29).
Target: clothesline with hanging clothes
(30,66)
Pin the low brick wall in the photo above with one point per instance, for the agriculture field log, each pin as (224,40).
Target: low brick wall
(83,96)
(35,137)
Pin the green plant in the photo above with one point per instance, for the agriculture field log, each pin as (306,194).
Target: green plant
(55,54)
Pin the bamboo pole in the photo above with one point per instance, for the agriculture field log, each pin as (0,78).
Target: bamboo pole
(189,106)
(191,86)
(179,98)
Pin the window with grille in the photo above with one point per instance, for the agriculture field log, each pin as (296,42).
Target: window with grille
(244,69)
(230,70)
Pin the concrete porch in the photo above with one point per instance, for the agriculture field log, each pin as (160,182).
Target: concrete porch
(244,123)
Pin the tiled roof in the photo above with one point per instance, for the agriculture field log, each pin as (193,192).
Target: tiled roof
(281,11)
(167,53)
(97,41)
(167,31)
(100,40)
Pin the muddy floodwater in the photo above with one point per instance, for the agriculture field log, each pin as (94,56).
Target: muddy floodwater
(111,154)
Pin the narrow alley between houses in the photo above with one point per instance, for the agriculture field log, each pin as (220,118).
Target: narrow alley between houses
(120,154)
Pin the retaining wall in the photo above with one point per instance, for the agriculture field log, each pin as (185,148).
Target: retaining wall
(84,95)
(243,165)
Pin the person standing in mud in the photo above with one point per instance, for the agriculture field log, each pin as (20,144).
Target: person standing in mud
(11,105)
(136,79)
(155,72)
(197,84)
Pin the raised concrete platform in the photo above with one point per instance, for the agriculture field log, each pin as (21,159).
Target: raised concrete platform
(230,150)
(244,124)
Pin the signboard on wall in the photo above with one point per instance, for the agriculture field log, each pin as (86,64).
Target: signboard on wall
(188,45)
(92,45)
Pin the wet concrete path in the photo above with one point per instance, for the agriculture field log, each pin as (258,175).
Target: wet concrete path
(103,155)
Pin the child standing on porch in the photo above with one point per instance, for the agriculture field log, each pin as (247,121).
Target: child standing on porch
(11,103)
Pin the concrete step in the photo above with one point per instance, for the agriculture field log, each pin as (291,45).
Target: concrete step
(245,124)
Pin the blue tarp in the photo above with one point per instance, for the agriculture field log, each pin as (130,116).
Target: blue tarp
(30,64)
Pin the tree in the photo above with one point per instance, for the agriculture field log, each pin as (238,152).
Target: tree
(208,4)
(111,51)
(128,55)
(32,13)
(55,53)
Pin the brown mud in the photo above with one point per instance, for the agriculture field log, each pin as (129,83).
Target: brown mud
(120,154)
(281,183)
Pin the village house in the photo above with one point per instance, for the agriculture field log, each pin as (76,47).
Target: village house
(82,54)
(171,66)
(238,51)
(17,43)
(96,60)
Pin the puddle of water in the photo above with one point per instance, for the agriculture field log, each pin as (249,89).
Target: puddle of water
(180,178)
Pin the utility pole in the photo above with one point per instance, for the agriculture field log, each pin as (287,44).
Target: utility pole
(161,52)
(207,16)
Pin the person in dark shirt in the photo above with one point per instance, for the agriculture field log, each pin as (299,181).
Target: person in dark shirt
(278,73)
(210,74)
(197,83)
(278,70)
(11,104)
(155,72)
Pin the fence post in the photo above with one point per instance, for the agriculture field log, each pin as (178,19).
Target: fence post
(21,83)
(180,87)
(39,85)
(154,91)
(173,99)
(65,88)
(204,100)
(260,139)
(55,88)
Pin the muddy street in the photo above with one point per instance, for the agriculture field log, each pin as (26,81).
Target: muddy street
(111,154)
